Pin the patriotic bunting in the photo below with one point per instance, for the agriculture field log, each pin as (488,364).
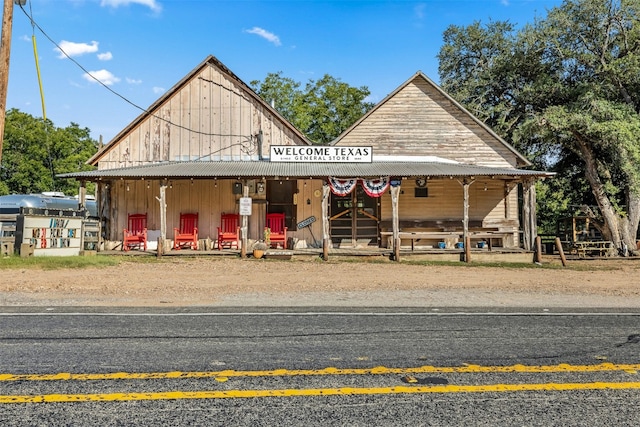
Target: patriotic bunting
(373,187)
(342,187)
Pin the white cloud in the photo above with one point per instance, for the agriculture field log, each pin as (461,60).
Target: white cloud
(158,90)
(151,4)
(269,36)
(133,81)
(104,76)
(107,56)
(75,49)
(419,10)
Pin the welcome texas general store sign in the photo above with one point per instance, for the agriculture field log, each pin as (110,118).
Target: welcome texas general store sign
(302,154)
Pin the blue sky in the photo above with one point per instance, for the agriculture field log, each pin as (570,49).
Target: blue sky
(141,48)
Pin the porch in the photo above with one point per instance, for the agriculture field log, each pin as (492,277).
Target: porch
(419,253)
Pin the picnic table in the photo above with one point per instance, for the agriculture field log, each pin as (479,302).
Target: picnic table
(593,248)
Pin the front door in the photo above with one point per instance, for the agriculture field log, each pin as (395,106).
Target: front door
(354,219)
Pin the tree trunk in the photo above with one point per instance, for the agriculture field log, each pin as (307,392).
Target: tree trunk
(621,230)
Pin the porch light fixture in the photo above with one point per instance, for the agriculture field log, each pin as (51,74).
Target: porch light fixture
(127,187)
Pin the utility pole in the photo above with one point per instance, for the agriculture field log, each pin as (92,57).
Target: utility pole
(5,49)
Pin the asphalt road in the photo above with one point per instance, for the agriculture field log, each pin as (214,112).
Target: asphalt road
(332,367)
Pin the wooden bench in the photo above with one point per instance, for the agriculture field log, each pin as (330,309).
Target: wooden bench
(488,236)
(593,248)
(414,236)
(435,224)
(418,235)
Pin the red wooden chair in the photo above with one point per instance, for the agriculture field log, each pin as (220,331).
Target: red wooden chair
(136,235)
(277,230)
(187,234)
(229,231)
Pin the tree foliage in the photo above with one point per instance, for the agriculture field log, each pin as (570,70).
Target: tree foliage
(35,152)
(566,90)
(322,110)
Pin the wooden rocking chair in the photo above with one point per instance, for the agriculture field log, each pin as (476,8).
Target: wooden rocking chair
(229,231)
(187,234)
(136,235)
(277,231)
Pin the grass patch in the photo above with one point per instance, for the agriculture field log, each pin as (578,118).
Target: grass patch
(59,262)
(65,262)
(575,266)
(518,265)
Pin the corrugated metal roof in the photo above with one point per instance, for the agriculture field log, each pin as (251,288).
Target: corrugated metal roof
(247,169)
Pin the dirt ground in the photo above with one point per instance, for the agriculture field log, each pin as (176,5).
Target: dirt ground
(225,281)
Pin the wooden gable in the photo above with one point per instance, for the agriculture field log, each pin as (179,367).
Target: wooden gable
(209,115)
(419,119)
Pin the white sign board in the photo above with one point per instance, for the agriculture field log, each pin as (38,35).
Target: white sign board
(320,153)
(52,236)
(245,206)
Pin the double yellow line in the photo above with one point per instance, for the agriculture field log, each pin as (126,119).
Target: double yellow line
(226,394)
(378,370)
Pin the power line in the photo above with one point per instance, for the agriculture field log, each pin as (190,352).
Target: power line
(35,24)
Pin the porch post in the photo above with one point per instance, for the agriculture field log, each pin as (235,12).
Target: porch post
(82,195)
(163,215)
(104,210)
(529,213)
(243,229)
(395,191)
(465,219)
(101,190)
(326,237)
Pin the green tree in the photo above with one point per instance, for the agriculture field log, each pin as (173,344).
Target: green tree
(35,151)
(566,91)
(322,110)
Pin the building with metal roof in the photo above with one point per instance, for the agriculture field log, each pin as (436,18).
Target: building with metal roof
(417,169)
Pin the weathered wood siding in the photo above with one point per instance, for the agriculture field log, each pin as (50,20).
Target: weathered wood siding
(208,198)
(445,201)
(418,120)
(209,117)
(495,207)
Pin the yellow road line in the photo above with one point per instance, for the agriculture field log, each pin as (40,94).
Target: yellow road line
(603,367)
(230,394)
